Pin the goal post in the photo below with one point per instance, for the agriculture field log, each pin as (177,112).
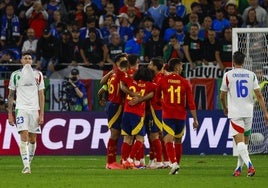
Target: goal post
(253,42)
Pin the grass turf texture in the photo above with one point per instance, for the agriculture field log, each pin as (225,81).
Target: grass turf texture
(89,171)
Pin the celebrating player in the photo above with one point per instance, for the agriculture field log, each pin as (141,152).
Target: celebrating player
(176,93)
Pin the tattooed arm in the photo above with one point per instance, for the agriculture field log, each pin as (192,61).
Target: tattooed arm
(10,107)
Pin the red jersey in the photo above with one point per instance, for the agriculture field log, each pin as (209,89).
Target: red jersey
(176,92)
(157,99)
(115,95)
(131,72)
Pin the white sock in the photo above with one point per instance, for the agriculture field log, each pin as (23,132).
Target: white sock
(32,148)
(24,153)
(243,153)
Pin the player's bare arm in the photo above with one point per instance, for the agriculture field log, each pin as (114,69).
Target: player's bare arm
(223,95)
(11,96)
(260,99)
(42,106)
(139,99)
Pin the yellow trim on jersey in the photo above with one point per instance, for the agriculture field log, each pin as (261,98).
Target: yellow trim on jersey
(168,129)
(123,133)
(156,120)
(180,135)
(115,117)
(138,127)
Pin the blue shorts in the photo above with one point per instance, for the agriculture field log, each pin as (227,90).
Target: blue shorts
(174,127)
(114,112)
(155,121)
(132,124)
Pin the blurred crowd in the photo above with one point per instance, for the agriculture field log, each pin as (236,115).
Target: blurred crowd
(92,32)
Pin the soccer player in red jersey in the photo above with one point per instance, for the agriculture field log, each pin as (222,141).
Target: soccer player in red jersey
(155,117)
(177,94)
(133,115)
(114,110)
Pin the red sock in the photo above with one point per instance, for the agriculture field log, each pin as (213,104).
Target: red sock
(158,149)
(164,151)
(111,153)
(136,148)
(151,151)
(140,154)
(178,149)
(125,150)
(171,152)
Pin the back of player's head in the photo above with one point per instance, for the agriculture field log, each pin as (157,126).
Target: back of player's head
(172,64)
(143,73)
(132,59)
(238,58)
(158,62)
(119,56)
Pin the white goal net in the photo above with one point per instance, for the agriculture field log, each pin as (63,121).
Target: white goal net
(253,43)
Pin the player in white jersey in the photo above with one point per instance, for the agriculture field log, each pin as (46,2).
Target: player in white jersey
(238,86)
(28,86)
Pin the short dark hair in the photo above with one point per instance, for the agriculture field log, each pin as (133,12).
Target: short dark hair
(158,62)
(238,58)
(132,59)
(143,73)
(26,53)
(172,63)
(119,56)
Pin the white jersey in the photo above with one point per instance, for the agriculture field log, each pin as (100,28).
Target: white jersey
(27,83)
(240,85)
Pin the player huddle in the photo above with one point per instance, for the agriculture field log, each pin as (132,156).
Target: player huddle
(147,100)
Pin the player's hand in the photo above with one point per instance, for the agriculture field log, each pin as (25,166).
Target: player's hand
(135,100)
(195,124)
(266,119)
(225,111)
(11,120)
(41,119)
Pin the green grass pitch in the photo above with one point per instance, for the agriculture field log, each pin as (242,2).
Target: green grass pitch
(207,171)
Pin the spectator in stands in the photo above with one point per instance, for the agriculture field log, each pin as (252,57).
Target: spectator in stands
(57,25)
(223,52)
(91,23)
(217,4)
(231,10)
(115,47)
(133,19)
(234,21)
(172,49)
(180,8)
(206,26)
(193,19)
(148,23)
(220,22)
(209,47)
(105,30)
(37,18)
(178,29)
(74,47)
(50,7)
(154,46)
(47,52)
(21,10)
(134,45)
(261,13)
(158,12)
(125,30)
(195,9)
(263,82)
(78,15)
(169,17)
(93,51)
(109,8)
(130,4)
(251,20)
(11,38)
(30,44)
(193,48)
(91,12)
(64,55)
(206,6)
(90,3)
